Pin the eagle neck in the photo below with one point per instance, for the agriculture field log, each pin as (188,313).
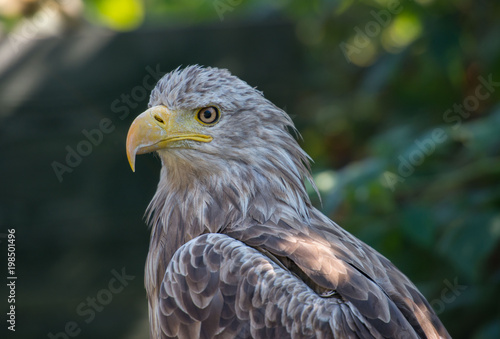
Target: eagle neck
(192,200)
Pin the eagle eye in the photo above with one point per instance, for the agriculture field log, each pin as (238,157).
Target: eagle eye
(208,115)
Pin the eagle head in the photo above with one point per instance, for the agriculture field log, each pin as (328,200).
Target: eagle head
(213,132)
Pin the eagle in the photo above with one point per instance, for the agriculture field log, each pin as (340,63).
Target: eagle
(237,249)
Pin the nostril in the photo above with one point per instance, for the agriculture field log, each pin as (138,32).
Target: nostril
(160,120)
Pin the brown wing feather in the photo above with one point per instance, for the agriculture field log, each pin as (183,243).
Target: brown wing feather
(334,260)
(218,287)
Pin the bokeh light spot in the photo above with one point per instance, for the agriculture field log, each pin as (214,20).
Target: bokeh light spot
(121,15)
(326,181)
(405,29)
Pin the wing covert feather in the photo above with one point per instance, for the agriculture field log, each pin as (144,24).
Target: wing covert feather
(335,260)
(241,293)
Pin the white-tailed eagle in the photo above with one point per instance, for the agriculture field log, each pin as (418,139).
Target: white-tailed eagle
(237,250)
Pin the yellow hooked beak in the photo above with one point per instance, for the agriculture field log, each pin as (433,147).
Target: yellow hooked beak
(156,128)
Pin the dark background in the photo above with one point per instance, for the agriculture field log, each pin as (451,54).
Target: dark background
(397,163)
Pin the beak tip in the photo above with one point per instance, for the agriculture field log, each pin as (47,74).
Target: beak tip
(131,152)
(131,161)
(131,148)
